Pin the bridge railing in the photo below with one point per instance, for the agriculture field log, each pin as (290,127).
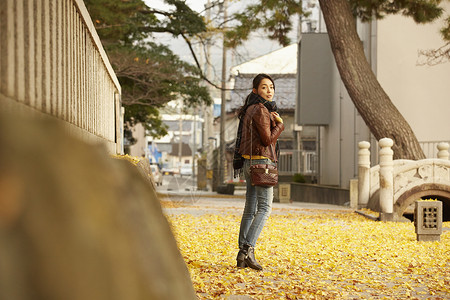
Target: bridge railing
(52,62)
(392,178)
(429,148)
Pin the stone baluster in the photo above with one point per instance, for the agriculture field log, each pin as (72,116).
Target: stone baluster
(386,180)
(363,173)
(443,151)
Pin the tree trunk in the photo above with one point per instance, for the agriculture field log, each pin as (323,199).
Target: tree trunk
(369,98)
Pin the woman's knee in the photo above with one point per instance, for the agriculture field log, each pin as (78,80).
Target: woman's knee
(264,202)
(265,207)
(249,214)
(267,210)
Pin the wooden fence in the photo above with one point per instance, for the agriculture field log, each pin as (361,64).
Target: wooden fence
(52,61)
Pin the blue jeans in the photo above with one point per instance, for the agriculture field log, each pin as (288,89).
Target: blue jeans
(258,206)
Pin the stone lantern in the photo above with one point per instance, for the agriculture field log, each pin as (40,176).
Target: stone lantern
(428,220)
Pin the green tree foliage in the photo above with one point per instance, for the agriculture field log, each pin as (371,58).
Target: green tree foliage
(272,15)
(446,30)
(181,21)
(276,16)
(422,11)
(118,21)
(150,73)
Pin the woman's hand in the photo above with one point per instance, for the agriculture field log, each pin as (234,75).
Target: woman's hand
(277,117)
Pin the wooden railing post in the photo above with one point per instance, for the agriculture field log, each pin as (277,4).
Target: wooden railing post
(363,173)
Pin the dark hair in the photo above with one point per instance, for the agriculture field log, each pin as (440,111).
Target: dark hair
(258,78)
(256,82)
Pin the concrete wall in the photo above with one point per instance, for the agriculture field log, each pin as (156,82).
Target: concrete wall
(52,63)
(303,192)
(338,141)
(341,126)
(140,148)
(288,121)
(421,93)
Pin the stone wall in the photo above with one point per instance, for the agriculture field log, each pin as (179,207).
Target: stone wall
(52,61)
(303,192)
(78,224)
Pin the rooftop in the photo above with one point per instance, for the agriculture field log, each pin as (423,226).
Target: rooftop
(281,61)
(280,64)
(285,91)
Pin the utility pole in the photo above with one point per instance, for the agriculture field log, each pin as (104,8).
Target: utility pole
(194,144)
(180,126)
(222,159)
(208,110)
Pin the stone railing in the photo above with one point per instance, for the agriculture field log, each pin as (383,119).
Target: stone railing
(52,63)
(393,185)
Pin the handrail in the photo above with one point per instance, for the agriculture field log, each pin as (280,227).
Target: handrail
(52,62)
(393,178)
(96,39)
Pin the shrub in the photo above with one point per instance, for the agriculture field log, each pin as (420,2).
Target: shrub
(298,178)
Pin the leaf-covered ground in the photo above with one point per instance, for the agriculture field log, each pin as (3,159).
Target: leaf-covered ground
(321,255)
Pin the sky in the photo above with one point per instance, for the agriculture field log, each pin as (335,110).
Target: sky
(197,5)
(257,46)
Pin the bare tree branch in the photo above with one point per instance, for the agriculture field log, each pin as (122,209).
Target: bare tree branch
(188,42)
(436,56)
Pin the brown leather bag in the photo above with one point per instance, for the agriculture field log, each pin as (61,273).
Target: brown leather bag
(262,174)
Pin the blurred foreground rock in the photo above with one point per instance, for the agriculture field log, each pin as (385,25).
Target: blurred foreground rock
(77,224)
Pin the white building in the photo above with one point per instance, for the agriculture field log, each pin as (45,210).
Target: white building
(421,93)
(183,129)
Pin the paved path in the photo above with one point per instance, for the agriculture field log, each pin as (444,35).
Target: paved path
(202,202)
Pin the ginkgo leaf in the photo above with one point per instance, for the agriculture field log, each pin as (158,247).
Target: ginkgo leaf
(314,255)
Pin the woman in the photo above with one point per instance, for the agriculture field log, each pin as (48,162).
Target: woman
(259,128)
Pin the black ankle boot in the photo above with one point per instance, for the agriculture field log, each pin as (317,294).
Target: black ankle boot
(241,259)
(250,259)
